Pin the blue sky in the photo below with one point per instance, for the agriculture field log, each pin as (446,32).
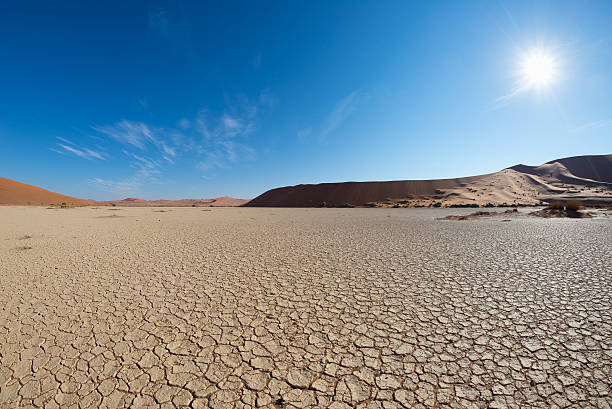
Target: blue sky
(172,100)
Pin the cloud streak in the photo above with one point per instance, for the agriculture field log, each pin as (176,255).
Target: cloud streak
(82,152)
(146,171)
(602,123)
(209,140)
(342,111)
(128,133)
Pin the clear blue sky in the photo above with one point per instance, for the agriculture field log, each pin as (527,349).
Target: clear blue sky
(172,100)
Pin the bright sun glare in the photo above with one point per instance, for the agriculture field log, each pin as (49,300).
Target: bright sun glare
(538,69)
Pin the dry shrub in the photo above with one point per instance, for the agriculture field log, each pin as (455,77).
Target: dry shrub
(573,205)
(556,206)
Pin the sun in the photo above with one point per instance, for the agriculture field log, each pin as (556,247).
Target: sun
(538,69)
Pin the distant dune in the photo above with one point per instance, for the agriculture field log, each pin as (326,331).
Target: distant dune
(15,193)
(219,201)
(586,178)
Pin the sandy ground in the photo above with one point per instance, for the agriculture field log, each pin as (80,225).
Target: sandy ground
(338,308)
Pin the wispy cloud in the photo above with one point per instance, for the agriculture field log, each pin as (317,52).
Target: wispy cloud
(139,135)
(159,20)
(220,143)
(127,132)
(211,160)
(68,147)
(257,61)
(184,123)
(303,134)
(120,188)
(224,154)
(211,140)
(224,136)
(146,171)
(602,123)
(342,110)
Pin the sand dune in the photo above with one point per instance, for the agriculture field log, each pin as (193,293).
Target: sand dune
(586,178)
(225,201)
(16,193)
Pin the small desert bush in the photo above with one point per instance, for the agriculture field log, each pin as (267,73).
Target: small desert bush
(556,206)
(573,205)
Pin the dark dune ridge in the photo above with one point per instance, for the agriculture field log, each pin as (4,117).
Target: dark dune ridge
(586,178)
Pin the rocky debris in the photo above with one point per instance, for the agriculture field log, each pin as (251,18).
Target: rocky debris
(480,214)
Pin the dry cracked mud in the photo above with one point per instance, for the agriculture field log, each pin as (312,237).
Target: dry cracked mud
(326,308)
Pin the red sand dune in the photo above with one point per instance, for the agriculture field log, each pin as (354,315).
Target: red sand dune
(15,193)
(219,201)
(586,178)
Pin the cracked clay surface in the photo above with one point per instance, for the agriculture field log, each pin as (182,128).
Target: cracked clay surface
(325,308)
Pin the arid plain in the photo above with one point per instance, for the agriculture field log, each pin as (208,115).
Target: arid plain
(251,307)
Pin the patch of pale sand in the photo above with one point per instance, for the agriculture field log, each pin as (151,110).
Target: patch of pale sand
(302,307)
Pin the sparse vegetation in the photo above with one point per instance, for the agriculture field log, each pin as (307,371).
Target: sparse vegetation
(573,205)
(556,206)
(464,205)
(437,204)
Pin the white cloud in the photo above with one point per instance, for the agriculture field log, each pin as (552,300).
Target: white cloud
(342,110)
(121,188)
(224,153)
(82,152)
(231,124)
(184,123)
(127,132)
(602,123)
(211,140)
(303,134)
(146,171)
(168,150)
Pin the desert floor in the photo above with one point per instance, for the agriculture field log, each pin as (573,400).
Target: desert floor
(245,307)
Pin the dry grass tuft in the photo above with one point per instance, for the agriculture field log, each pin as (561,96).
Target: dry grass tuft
(573,205)
(556,206)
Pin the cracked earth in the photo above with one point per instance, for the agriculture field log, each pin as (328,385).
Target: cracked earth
(325,308)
